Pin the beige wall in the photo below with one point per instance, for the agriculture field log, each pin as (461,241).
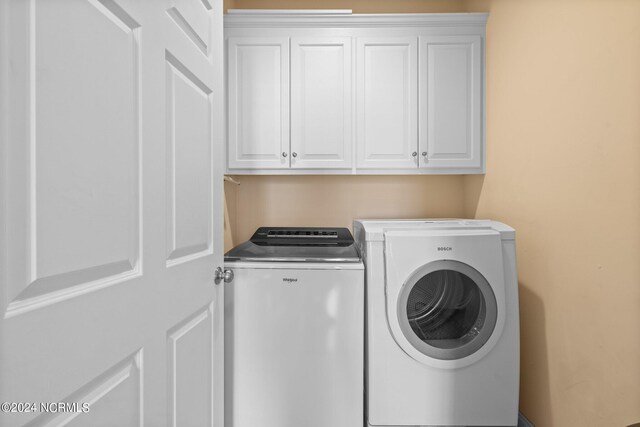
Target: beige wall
(563,168)
(337,200)
(358,6)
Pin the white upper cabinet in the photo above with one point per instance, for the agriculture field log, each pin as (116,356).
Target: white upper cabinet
(321,102)
(258,116)
(387,102)
(450,102)
(369,94)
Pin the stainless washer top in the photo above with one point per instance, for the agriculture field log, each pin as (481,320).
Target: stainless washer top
(297,244)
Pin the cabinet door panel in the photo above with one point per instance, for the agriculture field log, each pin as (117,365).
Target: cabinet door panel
(451,102)
(387,132)
(258,102)
(321,102)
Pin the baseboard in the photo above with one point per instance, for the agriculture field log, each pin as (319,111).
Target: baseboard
(524,421)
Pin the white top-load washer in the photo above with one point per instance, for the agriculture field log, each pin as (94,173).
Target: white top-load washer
(294,330)
(442,339)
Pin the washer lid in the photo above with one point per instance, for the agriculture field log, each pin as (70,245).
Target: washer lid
(302,236)
(304,244)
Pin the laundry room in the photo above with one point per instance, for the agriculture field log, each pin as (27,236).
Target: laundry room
(305,213)
(562,168)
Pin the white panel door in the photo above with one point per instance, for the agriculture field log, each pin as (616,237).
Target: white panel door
(387,102)
(258,109)
(321,102)
(111,212)
(450,102)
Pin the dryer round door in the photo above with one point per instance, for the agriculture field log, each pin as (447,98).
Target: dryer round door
(447,310)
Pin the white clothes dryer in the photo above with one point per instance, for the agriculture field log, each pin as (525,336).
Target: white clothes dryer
(442,343)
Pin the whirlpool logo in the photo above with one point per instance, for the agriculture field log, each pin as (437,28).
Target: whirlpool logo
(444,248)
(289,279)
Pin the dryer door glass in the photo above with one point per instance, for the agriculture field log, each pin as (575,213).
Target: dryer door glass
(447,310)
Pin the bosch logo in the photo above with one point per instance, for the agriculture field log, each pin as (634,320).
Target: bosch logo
(444,248)
(289,280)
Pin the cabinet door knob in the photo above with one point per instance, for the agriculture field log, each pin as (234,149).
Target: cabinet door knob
(284,154)
(294,154)
(424,153)
(414,154)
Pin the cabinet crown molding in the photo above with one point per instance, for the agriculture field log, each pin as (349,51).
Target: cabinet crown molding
(343,19)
